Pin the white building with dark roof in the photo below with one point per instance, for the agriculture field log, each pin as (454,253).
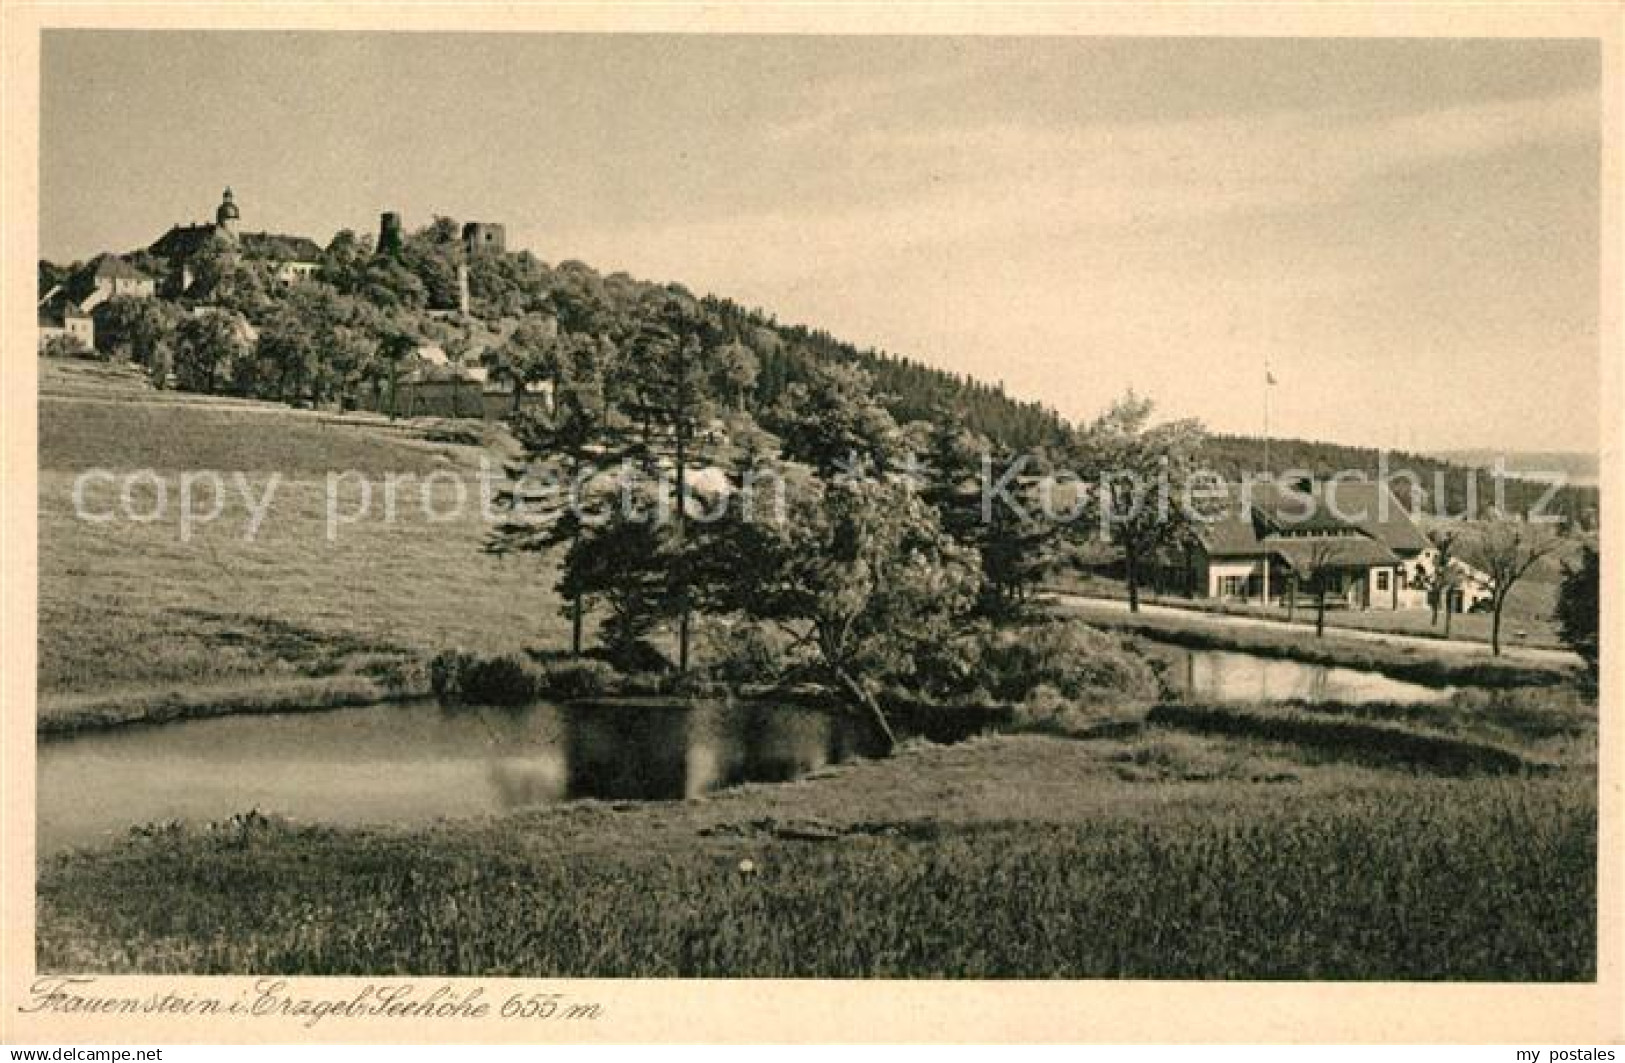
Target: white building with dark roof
(66,320)
(1266,541)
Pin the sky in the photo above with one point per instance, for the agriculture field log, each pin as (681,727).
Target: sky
(1406,231)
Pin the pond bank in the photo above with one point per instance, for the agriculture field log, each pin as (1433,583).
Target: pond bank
(65,715)
(61,716)
(1413,662)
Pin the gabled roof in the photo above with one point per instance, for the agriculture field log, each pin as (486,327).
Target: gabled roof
(1373,508)
(114,267)
(1356,551)
(183,241)
(1269,518)
(280,247)
(103,267)
(1230,532)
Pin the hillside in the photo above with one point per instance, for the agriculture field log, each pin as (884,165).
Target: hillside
(910,389)
(406,292)
(1446,484)
(411,289)
(1580,467)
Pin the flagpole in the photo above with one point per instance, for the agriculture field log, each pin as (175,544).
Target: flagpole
(1267,382)
(1269,476)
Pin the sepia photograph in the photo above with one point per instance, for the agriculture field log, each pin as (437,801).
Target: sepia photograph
(936,506)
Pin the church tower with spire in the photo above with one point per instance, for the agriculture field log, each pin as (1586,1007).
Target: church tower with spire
(226,216)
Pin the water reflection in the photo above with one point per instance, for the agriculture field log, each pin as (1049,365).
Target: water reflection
(1218,675)
(418,762)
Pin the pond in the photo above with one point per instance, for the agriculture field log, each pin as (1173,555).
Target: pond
(1222,675)
(416,762)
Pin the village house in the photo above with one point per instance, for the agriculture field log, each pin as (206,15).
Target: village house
(437,385)
(104,278)
(461,391)
(1469,587)
(1265,542)
(64,320)
(66,309)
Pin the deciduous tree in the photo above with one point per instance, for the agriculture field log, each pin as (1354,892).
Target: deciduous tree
(834,422)
(207,348)
(134,328)
(1316,567)
(1505,551)
(1441,575)
(860,572)
(737,367)
(1140,472)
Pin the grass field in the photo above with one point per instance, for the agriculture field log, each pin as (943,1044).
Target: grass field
(126,604)
(1161,854)
(131,609)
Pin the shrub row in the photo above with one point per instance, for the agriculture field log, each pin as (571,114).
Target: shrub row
(1008,665)
(1046,670)
(457,677)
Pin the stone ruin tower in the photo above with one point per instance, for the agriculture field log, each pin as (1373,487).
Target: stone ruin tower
(485,236)
(389,233)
